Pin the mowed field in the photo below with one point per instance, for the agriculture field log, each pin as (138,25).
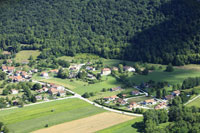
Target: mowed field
(196,103)
(126,127)
(175,77)
(88,125)
(25,54)
(30,118)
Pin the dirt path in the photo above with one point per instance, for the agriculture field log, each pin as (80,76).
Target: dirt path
(88,125)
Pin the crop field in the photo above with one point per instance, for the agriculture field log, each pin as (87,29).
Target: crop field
(126,127)
(30,118)
(25,54)
(88,125)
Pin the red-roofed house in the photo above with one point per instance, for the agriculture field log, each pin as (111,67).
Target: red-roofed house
(54,71)
(176,93)
(150,101)
(169,97)
(116,89)
(53,91)
(136,92)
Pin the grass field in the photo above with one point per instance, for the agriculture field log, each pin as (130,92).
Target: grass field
(25,54)
(172,77)
(88,125)
(81,87)
(126,127)
(34,117)
(196,103)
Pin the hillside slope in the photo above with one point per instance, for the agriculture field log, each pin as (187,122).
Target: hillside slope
(158,31)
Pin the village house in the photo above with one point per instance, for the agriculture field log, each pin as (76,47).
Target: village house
(13,91)
(161,105)
(111,98)
(133,105)
(90,76)
(7,53)
(73,68)
(16,78)
(38,97)
(105,71)
(9,61)
(34,70)
(4,68)
(24,74)
(121,101)
(25,62)
(116,89)
(44,74)
(53,91)
(169,97)
(135,92)
(8,69)
(18,73)
(44,89)
(129,69)
(115,69)
(150,101)
(61,93)
(124,95)
(55,71)
(176,93)
(90,68)
(58,87)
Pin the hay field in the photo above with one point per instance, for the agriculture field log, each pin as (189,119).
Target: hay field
(88,125)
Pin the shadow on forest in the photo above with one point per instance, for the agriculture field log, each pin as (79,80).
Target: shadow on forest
(139,126)
(170,36)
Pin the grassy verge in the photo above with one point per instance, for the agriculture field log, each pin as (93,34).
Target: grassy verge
(195,103)
(34,117)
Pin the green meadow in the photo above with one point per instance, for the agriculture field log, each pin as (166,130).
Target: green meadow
(126,127)
(175,77)
(196,103)
(30,118)
(81,87)
(25,54)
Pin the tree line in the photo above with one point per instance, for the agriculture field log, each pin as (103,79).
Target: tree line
(162,31)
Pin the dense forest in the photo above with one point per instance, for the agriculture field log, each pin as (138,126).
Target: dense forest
(158,31)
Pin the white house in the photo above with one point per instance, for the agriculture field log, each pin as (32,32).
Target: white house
(106,71)
(14,91)
(44,74)
(129,69)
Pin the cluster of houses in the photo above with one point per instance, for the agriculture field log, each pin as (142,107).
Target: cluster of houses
(17,75)
(157,104)
(107,71)
(173,94)
(53,90)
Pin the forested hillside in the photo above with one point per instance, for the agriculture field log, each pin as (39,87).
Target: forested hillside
(158,31)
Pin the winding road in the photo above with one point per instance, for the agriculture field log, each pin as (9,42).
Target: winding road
(80,97)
